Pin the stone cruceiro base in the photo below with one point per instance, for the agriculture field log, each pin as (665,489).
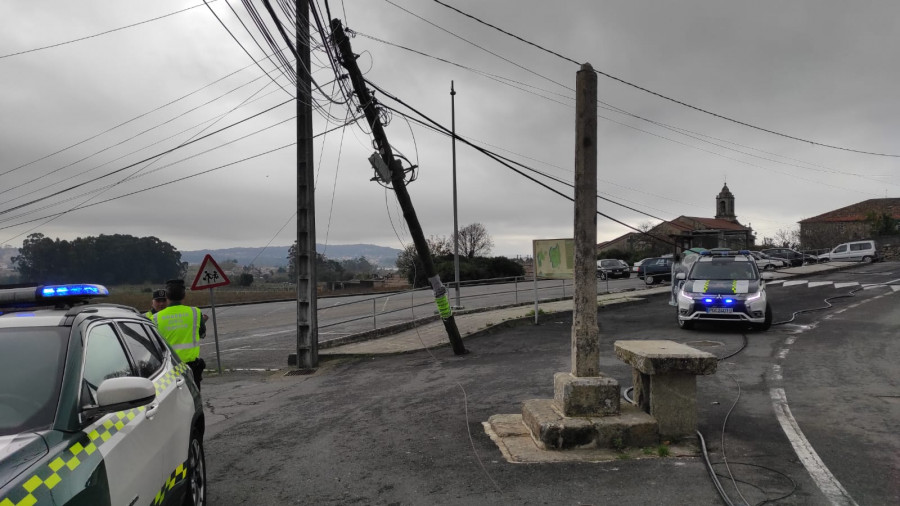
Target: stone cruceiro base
(586,396)
(551,429)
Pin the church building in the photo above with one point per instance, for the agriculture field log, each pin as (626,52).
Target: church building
(684,232)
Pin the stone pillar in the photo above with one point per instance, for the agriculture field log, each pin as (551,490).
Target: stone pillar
(585,332)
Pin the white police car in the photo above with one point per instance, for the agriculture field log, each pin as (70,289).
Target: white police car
(95,408)
(724,286)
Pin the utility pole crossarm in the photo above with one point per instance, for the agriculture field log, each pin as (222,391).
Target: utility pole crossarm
(368,104)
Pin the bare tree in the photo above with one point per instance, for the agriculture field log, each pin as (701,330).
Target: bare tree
(787,238)
(409,265)
(474,240)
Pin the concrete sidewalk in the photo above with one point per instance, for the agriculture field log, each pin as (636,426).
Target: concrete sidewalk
(433,334)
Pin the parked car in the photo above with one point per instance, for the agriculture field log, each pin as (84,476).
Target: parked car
(793,257)
(612,268)
(638,268)
(856,251)
(656,270)
(95,407)
(766,262)
(727,287)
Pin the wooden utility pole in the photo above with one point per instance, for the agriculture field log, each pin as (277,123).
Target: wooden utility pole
(305,255)
(367,102)
(585,332)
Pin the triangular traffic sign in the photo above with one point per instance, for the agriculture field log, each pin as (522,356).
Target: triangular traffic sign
(210,275)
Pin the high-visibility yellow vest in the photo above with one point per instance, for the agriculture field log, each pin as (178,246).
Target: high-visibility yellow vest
(180,327)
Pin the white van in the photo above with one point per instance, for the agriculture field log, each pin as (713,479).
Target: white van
(856,251)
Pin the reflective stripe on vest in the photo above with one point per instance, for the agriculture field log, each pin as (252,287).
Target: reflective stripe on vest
(180,326)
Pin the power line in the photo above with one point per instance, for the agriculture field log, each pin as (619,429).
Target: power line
(242,47)
(160,185)
(660,95)
(499,159)
(681,131)
(8,210)
(101,33)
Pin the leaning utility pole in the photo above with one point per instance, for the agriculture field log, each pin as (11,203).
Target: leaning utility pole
(348,60)
(305,256)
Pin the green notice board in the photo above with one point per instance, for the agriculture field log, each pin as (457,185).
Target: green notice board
(554,258)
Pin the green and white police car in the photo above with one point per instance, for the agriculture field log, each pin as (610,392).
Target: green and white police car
(723,286)
(95,408)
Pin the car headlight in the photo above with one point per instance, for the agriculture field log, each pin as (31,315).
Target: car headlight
(748,297)
(688,295)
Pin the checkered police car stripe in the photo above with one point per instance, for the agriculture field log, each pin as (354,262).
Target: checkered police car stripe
(36,489)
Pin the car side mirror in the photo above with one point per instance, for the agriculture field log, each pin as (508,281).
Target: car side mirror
(768,276)
(681,275)
(120,394)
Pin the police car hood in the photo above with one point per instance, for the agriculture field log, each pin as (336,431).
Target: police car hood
(722,286)
(19,452)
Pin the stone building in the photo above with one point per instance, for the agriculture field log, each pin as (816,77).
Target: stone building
(847,223)
(683,232)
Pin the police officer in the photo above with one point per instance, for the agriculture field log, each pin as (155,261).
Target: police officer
(158,303)
(180,325)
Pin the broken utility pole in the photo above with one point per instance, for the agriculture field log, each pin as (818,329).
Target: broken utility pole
(348,60)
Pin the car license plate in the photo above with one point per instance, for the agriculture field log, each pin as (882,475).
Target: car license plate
(719,309)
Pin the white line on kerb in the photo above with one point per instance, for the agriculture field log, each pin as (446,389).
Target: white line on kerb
(826,481)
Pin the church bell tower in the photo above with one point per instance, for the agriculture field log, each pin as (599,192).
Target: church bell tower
(725,205)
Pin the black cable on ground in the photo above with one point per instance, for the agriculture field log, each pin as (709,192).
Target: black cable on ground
(712,472)
(827,306)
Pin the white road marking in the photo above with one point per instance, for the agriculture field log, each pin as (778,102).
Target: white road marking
(782,353)
(813,284)
(776,372)
(795,282)
(827,483)
(845,285)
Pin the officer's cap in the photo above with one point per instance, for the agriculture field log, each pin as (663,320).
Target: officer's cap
(159,294)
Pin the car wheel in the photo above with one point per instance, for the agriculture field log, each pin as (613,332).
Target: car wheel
(769,267)
(649,279)
(195,495)
(684,324)
(601,275)
(867,260)
(767,323)
(627,275)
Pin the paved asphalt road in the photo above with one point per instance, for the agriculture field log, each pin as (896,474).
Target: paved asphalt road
(808,410)
(262,335)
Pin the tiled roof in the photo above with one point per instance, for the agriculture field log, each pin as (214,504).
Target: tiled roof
(714,223)
(858,211)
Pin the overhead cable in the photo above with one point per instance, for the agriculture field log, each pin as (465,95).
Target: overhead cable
(665,97)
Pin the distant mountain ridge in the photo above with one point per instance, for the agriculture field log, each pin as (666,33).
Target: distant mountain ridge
(276,256)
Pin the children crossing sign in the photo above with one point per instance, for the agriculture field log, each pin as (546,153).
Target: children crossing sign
(210,275)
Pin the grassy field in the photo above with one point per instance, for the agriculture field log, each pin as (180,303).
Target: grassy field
(139,296)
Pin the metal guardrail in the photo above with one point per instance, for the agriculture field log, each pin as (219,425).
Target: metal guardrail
(374,315)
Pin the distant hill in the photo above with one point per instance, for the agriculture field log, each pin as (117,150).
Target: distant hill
(276,256)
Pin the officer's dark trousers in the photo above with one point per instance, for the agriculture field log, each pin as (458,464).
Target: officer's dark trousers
(197,367)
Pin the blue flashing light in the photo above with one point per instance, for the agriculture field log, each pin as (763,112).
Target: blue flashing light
(74,290)
(708,300)
(729,301)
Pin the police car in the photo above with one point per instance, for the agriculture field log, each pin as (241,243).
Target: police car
(95,408)
(724,286)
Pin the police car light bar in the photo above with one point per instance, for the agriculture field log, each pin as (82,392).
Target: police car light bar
(78,290)
(724,253)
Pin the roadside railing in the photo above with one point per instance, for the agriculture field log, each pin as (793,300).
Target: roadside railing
(518,293)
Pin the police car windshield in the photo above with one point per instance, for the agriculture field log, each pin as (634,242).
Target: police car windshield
(31,364)
(728,269)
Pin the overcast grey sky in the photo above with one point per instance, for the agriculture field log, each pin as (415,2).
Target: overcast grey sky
(824,71)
